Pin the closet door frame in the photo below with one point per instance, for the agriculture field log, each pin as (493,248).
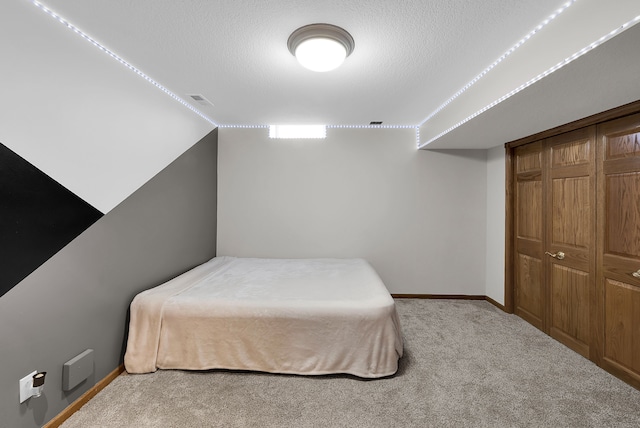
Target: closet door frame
(625,110)
(597,341)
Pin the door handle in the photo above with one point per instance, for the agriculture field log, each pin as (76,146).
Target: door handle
(560,255)
(636,274)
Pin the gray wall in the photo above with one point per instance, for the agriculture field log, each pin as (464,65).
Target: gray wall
(496,182)
(79,298)
(419,217)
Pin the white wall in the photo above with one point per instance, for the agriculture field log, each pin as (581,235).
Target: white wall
(81,117)
(419,217)
(495,223)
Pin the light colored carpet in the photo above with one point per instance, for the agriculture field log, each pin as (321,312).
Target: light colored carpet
(466,364)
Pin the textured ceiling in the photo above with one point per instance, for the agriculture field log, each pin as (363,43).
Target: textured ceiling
(410,58)
(410,55)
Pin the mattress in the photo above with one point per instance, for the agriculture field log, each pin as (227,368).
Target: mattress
(298,316)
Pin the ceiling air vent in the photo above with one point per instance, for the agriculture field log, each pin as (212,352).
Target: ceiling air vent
(200,99)
(375,123)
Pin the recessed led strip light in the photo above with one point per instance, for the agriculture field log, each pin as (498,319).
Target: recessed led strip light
(542,75)
(243,126)
(332,126)
(371,126)
(119,59)
(272,132)
(521,42)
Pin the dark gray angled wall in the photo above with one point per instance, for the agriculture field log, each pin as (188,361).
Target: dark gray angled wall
(79,298)
(38,217)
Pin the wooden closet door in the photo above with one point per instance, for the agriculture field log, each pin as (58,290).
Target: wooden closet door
(618,284)
(569,223)
(555,232)
(529,287)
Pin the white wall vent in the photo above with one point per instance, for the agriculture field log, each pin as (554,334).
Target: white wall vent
(200,99)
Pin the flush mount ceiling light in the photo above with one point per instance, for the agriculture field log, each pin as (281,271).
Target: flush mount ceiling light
(320,47)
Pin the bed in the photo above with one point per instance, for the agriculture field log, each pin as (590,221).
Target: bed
(297,316)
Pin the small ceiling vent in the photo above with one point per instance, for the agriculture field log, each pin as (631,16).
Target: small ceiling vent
(375,123)
(200,99)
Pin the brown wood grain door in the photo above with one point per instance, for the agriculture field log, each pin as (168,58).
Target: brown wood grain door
(570,236)
(573,242)
(618,282)
(555,235)
(529,287)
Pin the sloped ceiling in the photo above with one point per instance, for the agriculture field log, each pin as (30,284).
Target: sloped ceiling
(410,58)
(596,82)
(79,116)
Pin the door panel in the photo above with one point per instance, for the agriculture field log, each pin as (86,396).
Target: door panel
(623,214)
(570,295)
(529,197)
(622,144)
(622,331)
(529,291)
(570,192)
(618,307)
(529,158)
(576,152)
(571,212)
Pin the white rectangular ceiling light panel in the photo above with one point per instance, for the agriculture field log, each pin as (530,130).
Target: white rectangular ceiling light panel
(297,131)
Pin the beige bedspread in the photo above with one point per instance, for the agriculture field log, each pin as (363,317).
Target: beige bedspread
(306,316)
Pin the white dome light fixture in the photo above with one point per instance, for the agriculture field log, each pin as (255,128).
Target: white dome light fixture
(320,47)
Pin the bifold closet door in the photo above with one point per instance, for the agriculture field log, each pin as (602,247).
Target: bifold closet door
(529,290)
(554,259)
(618,284)
(569,246)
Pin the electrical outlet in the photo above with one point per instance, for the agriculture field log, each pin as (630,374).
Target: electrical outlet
(26,387)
